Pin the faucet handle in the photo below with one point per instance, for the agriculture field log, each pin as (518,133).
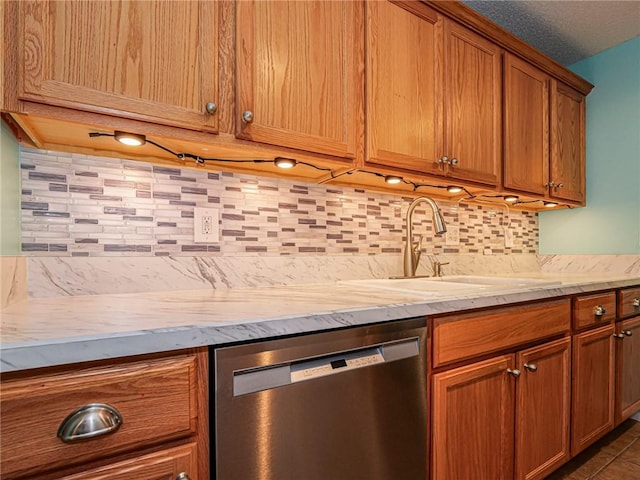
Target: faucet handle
(437,267)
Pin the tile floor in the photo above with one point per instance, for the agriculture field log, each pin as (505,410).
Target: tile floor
(614,457)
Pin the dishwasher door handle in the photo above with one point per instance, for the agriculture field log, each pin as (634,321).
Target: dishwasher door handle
(260,378)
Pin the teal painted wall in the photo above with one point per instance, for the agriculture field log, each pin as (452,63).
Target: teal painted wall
(610,223)
(9,193)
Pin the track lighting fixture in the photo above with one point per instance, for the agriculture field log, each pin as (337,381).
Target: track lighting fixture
(130,139)
(392,179)
(285,163)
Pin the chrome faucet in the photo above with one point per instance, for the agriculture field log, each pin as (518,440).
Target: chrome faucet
(412,250)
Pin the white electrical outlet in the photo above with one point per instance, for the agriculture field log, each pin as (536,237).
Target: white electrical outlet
(508,238)
(205,225)
(452,235)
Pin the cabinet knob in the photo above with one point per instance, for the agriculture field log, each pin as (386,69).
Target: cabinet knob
(210,108)
(628,333)
(183,476)
(444,160)
(454,161)
(88,421)
(599,311)
(636,302)
(515,372)
(560,185)
(247,116)
(618,335)
(532,367)
(550,184)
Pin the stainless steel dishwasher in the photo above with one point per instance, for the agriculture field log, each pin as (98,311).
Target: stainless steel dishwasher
(341,405)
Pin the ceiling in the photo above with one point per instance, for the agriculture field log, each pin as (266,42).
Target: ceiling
(565,30)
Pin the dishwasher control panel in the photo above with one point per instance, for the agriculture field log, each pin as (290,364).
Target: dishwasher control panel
(308,371)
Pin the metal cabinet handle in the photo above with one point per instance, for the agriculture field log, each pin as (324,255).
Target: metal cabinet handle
(618,335)
(560,185)
(636,302)
(210,108)
(532,367)
(628,333)
(515,372)
(443,160)
(247,116)
(183,476)
(88,421)
(599,311)
(454,161)
(550,184)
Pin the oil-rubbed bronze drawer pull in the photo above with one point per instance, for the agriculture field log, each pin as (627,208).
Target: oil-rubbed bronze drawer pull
(89,421)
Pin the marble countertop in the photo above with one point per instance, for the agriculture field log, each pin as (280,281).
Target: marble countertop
(61,330)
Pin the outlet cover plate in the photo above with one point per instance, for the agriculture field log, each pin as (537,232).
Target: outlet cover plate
(452,235)
(206,228)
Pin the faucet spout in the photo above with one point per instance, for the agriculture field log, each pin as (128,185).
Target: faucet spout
(412,249)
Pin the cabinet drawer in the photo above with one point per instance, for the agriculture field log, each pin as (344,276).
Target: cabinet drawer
(166,464)
(456,337)
(629,302)
(156,400)
(592,310)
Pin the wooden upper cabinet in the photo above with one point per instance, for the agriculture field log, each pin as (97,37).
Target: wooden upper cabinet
(567,179)
(299,80)
(472,106)
(404,78)
(526,127)
(543,409)
(154,60)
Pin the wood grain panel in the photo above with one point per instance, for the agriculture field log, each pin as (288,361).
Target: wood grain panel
(626,302)
(155,61)
(472,421)
(543,409)
(404,81)
(567,143)
(472,105)
(163,465)
(299,70)
(157,400)
(526,128)
(456,337)
(584,308)
(593,387)
(627,369)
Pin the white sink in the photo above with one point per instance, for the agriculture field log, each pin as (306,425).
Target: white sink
(430,286)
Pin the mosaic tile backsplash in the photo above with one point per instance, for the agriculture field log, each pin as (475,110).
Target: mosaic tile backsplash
(80,205)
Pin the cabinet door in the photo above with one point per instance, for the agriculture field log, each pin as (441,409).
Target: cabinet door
(299,74)
(472,106)
(543,407)
(473,413)
(628,369)
(526,127)
(567,143)
(167,464)
(404,78)
(151,60)
(593,384)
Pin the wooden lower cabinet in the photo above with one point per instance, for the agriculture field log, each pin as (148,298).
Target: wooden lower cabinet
(473,414)
(593,385)
(543,407)
(509,407)
(165,465)
(627,347)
